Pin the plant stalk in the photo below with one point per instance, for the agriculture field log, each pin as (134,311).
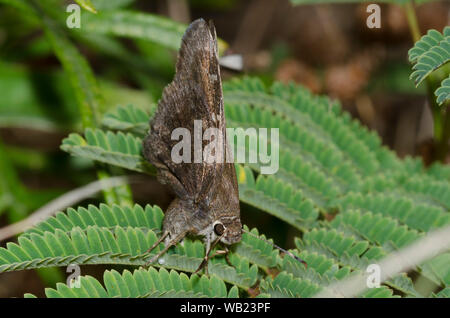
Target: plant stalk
(412,21)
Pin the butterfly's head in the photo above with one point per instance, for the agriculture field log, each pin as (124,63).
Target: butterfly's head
(229,228)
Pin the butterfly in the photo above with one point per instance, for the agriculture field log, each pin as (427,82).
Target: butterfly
(207,197)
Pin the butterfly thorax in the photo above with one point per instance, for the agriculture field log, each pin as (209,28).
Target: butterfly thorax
(196,220)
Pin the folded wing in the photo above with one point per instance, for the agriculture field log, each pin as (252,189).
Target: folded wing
(194,94)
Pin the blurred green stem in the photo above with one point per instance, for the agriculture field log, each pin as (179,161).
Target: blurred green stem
(442,144)
(412,21)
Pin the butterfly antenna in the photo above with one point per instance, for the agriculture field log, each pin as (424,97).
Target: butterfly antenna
(278,247)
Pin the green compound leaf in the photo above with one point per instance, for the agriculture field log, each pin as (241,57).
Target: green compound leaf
(124,246)
(144,283)
(122,150)
(128,119)
(431,60)
(443,92)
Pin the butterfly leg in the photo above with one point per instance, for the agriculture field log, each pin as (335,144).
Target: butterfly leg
(178,238)
(226,253)
(204,264)
(209,248)
(157,242)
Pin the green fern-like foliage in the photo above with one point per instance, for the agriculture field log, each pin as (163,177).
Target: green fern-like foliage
(430,53)
(145,284)
(443,92)
(128,119)
(329,161)
(352,199)
(123,150)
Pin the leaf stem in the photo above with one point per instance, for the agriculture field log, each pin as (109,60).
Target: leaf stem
(442,144)
(412,21)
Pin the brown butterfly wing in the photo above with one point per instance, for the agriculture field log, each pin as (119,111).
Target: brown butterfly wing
(225,197)
(194,94)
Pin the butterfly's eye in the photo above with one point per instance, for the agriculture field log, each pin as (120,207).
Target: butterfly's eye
(219,229)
